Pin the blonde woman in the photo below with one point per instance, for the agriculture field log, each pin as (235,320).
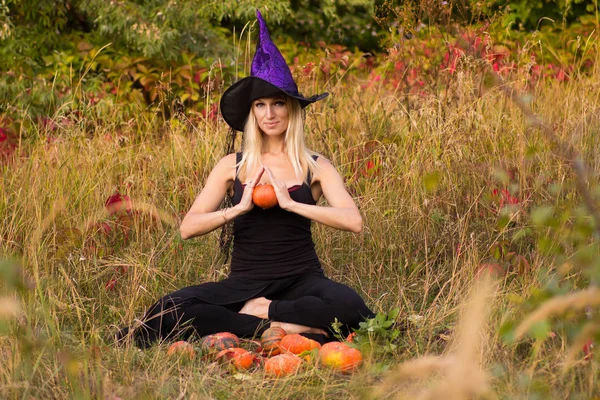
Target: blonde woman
(276,278)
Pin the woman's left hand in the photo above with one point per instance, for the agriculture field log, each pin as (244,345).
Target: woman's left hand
(281,191)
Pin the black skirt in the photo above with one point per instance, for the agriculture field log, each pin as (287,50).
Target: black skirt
(234,290)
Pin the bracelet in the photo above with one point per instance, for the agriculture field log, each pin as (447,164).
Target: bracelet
(223,210)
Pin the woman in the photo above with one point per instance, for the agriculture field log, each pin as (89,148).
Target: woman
(276,278)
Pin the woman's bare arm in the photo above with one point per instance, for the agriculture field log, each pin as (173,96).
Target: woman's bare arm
(204,216)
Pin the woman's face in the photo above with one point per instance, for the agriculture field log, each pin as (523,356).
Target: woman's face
(271,114)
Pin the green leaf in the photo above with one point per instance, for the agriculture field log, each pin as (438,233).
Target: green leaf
(548,246)
(507,331)
(394,313)
(501,176)
(521,234)
(555,189)
(540,330)
(503,219)
(540,216)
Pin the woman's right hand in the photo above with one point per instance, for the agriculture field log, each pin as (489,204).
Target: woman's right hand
(246,203)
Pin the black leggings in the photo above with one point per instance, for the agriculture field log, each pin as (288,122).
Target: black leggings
(314,301)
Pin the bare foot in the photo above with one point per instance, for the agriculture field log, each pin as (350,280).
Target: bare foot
(289,328)
(258,307)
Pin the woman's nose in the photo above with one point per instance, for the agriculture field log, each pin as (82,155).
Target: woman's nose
(270,112)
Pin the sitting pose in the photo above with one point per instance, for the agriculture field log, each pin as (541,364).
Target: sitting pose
(276,278)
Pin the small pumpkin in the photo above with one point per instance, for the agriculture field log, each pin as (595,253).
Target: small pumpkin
(219,341)
(283,365)
(297,344)
(340,357)
(264,196)
(183,349)
(270,340)
(240,359)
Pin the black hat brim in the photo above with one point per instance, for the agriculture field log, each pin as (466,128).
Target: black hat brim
(237,100)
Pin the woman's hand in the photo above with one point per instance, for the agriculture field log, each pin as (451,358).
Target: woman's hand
(246,203)
(341,212)
(281,191)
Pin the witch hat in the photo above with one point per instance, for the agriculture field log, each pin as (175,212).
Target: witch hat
(269,76)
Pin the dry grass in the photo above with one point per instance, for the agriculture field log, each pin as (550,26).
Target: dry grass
(419,251)
(462,375)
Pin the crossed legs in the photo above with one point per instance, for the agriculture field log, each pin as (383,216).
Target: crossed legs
(309,307)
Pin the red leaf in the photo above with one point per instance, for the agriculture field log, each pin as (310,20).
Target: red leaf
(111,284)
(7,148)
(118,202)
(588,350)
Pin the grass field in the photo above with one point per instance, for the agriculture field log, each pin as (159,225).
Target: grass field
(445,183)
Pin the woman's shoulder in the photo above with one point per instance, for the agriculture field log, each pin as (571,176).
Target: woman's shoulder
(228,161)
(324,167)
(226,166)
(321,160)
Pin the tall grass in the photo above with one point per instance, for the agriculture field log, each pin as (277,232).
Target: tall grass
(430,222)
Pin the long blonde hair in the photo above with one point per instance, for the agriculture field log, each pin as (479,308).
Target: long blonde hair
(294,147)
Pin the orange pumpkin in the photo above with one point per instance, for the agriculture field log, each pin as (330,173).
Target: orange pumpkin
(183,349)
(219,341)
(340,357)
(283,365)
(238,358)
(270,340)
(297,344)
(264,196)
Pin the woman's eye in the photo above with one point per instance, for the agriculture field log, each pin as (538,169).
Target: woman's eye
(280,103)
(258,105)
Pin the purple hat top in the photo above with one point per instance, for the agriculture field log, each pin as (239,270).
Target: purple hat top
(269,76)
(268,63)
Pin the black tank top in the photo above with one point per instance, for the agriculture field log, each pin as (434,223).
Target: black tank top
(273,243)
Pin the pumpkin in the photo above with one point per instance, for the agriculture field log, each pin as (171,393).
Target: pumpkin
(183,349)
(264,196)
(297,344)
(283,364)
(240,359)
(270,340)
(340,357)
(219,341)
